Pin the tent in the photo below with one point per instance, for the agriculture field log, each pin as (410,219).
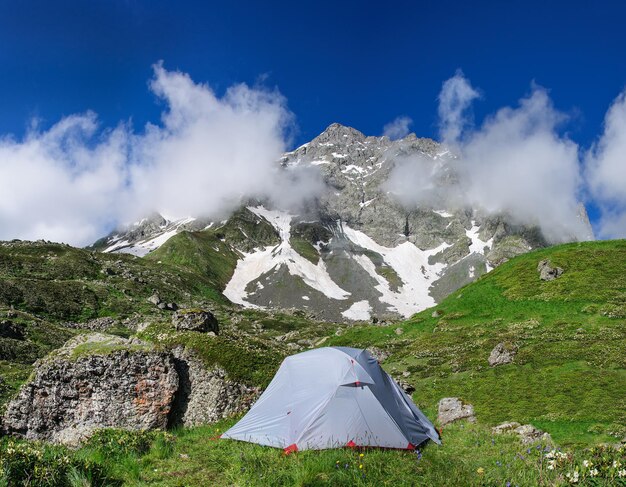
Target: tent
(333,397)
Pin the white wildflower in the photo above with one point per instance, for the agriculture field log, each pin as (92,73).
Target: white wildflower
(622,473)
(587,464)
(593,472)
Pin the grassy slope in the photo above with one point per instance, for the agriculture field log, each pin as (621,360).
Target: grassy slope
(569,376)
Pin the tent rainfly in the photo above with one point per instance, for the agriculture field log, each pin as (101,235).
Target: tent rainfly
(333,397)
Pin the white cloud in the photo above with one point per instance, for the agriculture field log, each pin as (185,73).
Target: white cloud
(606,171)
(455,98)
(515,163)
(74,181)
(398,128)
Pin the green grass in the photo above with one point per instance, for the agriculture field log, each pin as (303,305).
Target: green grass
(470,456)
(305,249)
(570,370)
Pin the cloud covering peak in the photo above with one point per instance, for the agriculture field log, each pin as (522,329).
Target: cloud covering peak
(71,182)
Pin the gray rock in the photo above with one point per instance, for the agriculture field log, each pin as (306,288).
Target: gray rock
(195,320)
(406,387)
(123,386)
(399,331)
(527,433)
(453,409)
(502,354)
(507,427)
(547,272)
(155,299)
(206,395)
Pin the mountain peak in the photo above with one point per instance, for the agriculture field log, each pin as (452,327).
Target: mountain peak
(337,133)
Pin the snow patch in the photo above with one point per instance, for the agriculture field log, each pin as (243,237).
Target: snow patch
(409,263)
(144,247)
(259,262)
(477,246)
(358,311)
(443,213)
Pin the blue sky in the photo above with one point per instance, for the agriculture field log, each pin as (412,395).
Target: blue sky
(362,64)
(359,63)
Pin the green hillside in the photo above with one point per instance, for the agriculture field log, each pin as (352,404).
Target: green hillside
(568,376)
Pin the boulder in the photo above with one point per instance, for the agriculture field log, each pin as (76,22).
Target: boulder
(547,272)
(155,299)
(119,383)
(195,320)
(502,354)
(206,395)
(453,409)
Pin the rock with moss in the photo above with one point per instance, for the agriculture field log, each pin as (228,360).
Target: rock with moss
(94,382)
(195,320)
(452,409)
(206,394)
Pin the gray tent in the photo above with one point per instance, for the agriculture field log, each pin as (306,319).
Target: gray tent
(333,397)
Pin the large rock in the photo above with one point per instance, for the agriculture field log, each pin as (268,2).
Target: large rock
(93,382)
(502,354)
(206,395)
(195,320)
(547,272)
(453,409)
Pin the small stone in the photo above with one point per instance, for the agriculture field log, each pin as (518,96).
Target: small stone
(378,353)
(502,354)
(547,272)
(529,434)
(408,388)
(453,409)
(155,299)
(436,314)
(506,427)
(406,373)
(399,331)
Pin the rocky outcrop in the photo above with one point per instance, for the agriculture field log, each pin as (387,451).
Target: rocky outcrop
(547,272)
(195,320)
(97,324)
(97,381)
(527,432)
(206,395)
(125,385)
(502,354)
(453,409)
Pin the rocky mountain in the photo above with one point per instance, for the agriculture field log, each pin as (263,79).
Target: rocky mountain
(356,253)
